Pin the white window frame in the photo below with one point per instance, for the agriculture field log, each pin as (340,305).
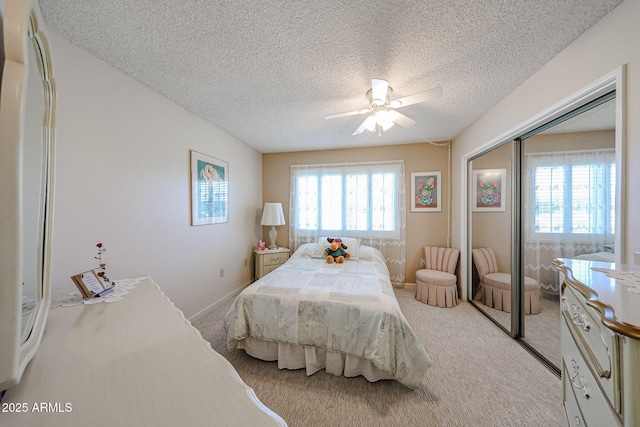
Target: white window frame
(567,218)
(343,170)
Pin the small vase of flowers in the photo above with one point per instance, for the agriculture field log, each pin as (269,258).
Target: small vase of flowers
(103,266)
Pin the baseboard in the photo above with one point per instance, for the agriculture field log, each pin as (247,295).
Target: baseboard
(205,310)
(404,285)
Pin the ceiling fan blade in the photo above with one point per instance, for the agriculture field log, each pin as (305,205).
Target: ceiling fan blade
(379,90)
(403,120)
(350,113)
(416,98)
(360,129)
(369,123)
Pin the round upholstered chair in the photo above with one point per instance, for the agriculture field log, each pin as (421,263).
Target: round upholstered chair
(495,287)
(436,284)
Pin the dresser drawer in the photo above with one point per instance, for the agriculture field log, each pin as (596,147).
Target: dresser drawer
(597,343)
(571,409)
(592,403)
(269,268)
(275,259)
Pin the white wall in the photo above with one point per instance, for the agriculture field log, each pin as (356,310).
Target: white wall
(123,179)
(609,44)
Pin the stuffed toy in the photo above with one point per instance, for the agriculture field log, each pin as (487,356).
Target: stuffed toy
(336,252)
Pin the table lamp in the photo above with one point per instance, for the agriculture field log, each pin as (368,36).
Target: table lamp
(272,215)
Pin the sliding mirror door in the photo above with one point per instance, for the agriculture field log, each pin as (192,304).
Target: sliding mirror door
(550,193)
(490,233)
(568,207)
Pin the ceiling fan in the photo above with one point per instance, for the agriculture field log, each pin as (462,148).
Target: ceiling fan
(384,110)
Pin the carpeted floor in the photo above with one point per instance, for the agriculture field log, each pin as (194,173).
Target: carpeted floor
(542,330)
(479,377)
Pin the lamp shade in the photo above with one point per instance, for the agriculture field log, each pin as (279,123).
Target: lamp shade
(272,214)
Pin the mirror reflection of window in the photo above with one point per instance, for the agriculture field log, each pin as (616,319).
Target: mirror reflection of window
(569,194)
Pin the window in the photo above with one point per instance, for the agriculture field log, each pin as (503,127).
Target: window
(361,200)
(358,200)
(573,193)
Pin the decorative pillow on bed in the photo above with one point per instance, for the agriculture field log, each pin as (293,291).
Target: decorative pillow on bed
(352,244)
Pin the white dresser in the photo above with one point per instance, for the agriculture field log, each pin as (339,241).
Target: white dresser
(600,343)
(134,362)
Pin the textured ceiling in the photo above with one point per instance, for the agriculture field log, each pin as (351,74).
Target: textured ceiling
(268,71)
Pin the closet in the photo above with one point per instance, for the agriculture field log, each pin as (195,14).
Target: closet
(553,190)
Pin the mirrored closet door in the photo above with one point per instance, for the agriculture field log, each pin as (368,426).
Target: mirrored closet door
(490,232)
(568,207)
(550,193)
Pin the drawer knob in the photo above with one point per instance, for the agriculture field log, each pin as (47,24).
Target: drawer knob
(583,384)
(579,318)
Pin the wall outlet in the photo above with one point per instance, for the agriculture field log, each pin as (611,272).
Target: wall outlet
(222,272)
(423,263)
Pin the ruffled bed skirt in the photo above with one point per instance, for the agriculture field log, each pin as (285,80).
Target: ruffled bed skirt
(291,356)
(500,299)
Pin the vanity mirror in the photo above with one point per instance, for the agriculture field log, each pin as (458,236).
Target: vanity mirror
(27,119)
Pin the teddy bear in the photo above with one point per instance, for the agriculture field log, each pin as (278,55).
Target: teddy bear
(336,252)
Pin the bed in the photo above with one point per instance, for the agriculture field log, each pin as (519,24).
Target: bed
(343,318)
(598,256)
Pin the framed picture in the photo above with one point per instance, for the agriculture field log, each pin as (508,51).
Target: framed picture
(488,190)
(209,190)
(92,283)
(426,195)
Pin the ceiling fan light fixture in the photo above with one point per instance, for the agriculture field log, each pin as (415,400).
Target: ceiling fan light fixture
(384,118)
(384,110)
(370,123)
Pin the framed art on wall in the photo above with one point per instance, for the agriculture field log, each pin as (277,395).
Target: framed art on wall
(488,190)
(209,189)
(426,192)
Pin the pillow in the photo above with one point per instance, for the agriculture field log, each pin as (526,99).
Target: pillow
(352,244)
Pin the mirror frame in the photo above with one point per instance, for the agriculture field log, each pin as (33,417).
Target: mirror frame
(22,31)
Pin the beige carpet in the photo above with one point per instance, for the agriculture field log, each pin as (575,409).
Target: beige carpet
(480,377)
(542,330)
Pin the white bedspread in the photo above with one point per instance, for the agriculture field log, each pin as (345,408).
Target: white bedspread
(348,308)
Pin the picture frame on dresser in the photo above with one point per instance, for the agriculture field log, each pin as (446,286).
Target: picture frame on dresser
(209,189)
(92,283)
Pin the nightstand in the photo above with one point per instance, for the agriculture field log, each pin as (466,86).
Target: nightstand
(270,259)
